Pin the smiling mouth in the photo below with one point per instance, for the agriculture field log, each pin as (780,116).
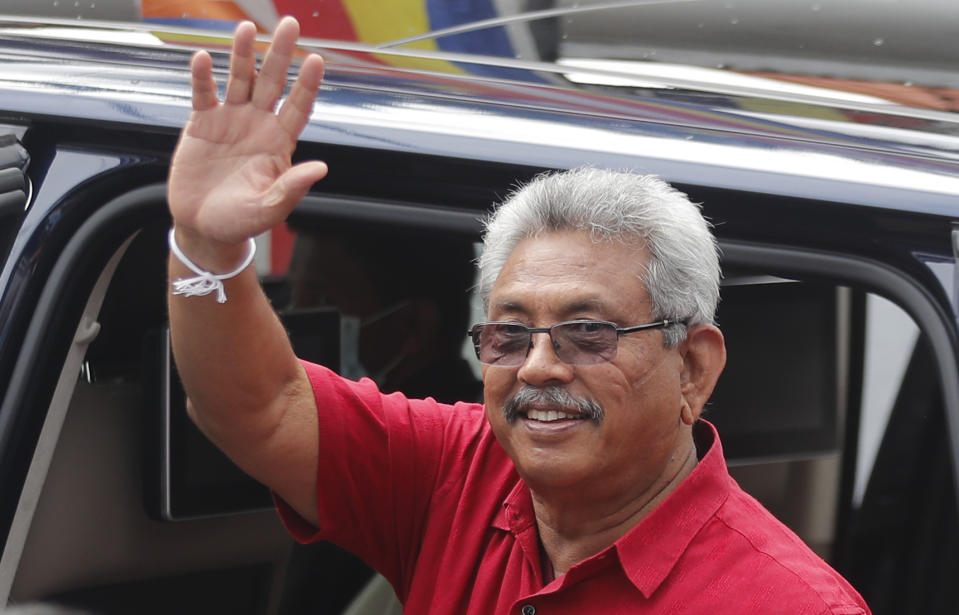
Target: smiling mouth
(549,416)
(550,404)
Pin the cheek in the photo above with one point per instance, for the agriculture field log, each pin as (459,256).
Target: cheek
(494,400)
(637,386)
(650,367)
(496,386)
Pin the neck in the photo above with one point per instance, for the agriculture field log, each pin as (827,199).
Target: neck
(574,526)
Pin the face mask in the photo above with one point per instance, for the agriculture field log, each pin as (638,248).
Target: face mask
(350,365)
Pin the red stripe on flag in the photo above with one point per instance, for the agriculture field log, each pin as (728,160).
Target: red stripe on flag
(319,18)
(281,248)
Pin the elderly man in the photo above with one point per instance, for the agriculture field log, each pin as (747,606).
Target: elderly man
(585,483)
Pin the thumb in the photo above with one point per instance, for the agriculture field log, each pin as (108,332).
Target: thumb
(290,187)
(300,177)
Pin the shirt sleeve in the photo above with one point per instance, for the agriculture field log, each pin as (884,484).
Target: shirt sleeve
(379,460)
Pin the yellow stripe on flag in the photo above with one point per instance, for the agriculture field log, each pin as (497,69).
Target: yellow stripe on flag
(389,20)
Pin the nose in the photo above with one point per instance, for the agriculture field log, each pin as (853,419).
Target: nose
(542,366)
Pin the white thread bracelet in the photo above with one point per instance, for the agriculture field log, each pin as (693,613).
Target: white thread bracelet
(205,282)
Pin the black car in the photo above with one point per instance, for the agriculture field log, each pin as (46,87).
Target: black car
(837,216)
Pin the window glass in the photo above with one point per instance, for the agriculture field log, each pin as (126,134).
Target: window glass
(403,298)
(891,337)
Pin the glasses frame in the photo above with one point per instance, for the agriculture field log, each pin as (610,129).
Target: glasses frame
(620,331)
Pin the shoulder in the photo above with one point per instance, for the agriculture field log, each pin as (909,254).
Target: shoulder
(358,411)
(742,548)
(335,393)
(759,549)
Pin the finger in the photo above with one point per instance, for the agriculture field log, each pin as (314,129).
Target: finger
(290,188)
(204,87)
(296,109)
(273,75)
(242,65)
(301,177)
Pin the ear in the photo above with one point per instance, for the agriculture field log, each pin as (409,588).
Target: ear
(704,356)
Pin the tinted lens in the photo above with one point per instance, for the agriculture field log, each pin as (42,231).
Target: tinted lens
(584,342)
(575,343)
(501,344)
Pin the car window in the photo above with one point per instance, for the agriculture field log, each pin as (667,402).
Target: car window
(891,341)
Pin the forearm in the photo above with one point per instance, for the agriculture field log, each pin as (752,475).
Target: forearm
(233,357)
(247,390)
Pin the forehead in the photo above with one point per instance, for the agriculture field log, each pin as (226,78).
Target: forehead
(570,269)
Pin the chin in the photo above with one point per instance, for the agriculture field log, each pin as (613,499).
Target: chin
(552,471)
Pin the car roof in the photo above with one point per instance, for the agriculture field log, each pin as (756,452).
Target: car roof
(747,133)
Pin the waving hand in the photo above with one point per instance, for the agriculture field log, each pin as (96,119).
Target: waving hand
(232,176)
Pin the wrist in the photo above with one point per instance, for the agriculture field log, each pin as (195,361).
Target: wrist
(203,282)
(210,254)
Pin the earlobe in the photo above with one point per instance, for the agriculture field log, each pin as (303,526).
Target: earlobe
(704,356)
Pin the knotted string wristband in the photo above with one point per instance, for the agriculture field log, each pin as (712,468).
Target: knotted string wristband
(204,282)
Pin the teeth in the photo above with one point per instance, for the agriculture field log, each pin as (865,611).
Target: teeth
(548,415)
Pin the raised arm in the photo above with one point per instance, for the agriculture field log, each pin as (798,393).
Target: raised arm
(232,179)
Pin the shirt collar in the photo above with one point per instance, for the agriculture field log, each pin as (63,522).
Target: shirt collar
(516,513)
(648,552)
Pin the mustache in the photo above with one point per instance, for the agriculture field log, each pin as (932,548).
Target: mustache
(552,395)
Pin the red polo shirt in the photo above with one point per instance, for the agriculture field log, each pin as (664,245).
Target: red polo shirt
(424,493)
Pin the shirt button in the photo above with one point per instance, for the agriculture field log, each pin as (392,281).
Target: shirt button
(528,609)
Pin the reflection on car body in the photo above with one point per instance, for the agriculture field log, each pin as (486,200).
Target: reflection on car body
(837,216)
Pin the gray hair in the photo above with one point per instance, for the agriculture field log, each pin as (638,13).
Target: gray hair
(682,276)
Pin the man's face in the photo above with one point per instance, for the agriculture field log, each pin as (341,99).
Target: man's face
(332,275)
(566,276)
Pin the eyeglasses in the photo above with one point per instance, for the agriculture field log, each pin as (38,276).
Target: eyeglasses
(575,342)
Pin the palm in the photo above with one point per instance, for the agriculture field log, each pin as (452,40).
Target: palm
(227,161)
(232,176)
